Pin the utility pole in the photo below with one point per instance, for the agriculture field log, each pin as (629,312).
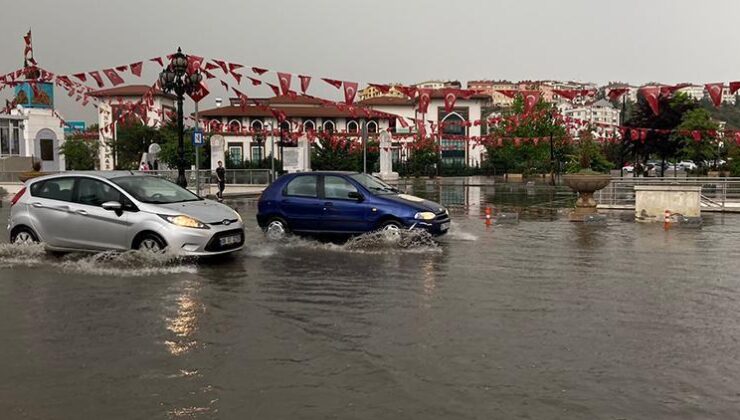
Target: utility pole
(364,146)
(197,155)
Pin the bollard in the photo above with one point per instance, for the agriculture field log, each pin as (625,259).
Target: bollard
(667,220)
(488,216)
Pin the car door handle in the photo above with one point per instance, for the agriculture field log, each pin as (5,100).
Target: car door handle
(38,205)
(81,211)
(328,204)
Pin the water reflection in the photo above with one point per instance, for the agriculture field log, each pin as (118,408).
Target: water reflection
(184,323)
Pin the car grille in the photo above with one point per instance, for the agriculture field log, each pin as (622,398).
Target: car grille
(230,222)
(442,217)
(214,244)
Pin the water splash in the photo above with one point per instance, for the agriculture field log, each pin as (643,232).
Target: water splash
(456,233)
(111,263)
(379,242)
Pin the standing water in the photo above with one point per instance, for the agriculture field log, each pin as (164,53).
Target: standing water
(538,318)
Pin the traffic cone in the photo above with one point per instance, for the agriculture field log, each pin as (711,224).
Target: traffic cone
(488,216)
(667,220)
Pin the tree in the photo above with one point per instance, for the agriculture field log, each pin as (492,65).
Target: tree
(133,139)
(527,157)
(79,154)
(703,147)
(658,140)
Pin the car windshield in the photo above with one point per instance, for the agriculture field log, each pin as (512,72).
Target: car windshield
(154,190)
(374,184)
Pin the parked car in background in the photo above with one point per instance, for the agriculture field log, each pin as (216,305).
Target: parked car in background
(121,211)
(687,165)
(628,168)
(345,203)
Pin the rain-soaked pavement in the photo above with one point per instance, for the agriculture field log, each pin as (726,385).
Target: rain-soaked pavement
(536,319)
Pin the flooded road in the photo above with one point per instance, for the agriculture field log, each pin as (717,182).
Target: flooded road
(540,319)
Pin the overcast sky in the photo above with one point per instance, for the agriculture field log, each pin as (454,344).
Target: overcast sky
(389,40)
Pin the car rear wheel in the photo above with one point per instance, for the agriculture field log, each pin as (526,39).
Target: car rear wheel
(23,236)
(150,243)
(276,230)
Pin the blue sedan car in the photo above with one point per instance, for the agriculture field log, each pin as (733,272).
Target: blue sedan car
(343,203)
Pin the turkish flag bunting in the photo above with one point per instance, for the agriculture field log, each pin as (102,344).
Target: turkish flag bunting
(670,90)
(568,94)
(425,96)
(199,93)
(259,71)
(466,93)
(508,93)
(210,66)
(737,138)
(224,84)
(305,81)
(651,93)
(242,98)
(99,80)
(122,68)
(715,92)
(450,99)
(208,74)
(531,97)
(284,79)
(81,76)
(274,88)
(336,83)
(403,122)
(234,67)
(734,86)
(278,114)
(237,77)
(194,63)
(382,88)
(350,91)
(113,77)
(409,91)
(136,68)
(616,93)
(158,60)
(222,65)
(255,82)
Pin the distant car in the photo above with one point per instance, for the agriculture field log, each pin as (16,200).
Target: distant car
(120,211)
(687,165)
(343,203)
(628,168)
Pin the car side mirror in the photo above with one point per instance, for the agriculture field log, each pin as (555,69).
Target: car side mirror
(112,206)
(354,195)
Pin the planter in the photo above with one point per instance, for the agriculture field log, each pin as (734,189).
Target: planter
(25,176)
(585,184)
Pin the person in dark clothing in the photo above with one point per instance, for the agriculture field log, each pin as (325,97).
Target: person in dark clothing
(221,178)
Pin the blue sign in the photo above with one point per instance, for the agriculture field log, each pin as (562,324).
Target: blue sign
(198,138)
(40,97)
(75,127)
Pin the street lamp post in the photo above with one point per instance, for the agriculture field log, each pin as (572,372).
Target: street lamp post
(176,78)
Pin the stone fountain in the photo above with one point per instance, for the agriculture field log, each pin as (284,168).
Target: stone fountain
(585,183)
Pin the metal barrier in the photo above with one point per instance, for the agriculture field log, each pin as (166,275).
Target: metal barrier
(205,176)
(717,194)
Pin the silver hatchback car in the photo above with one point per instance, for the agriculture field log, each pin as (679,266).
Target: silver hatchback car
(96,211)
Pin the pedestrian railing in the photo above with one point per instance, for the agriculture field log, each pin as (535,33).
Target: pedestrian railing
(203,176)
(717,194)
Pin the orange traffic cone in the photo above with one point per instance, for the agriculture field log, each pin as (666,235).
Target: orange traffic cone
(488,216)
(667,220)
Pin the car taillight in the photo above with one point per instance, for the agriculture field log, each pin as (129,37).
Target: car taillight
(17,196)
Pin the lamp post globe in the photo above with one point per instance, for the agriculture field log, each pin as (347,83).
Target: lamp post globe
(178,79)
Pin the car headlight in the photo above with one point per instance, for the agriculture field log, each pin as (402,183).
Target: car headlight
(238,217)
(185,221)
(425,215)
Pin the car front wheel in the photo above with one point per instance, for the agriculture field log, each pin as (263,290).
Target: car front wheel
(276,230)
(150,243)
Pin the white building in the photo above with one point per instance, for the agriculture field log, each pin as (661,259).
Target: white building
(602,115)
(40,132)
(116,102)
(458,123)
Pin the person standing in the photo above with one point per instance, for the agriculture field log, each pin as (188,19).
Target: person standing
(221,178)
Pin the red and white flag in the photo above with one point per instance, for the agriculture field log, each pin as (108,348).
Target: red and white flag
(113,77)
(450,99)
(305,81)
(425,97)
(651,94)
(336,83)
(531,97)
(715,92)
(259,71)
(98,79)
(136,68)
(350,91)
(616,93)
(284,79)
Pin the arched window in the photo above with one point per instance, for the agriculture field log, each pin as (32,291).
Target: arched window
(329,126)
(453,146)
(235,126)
(309,125)
(352,126)
(215,125)
(257,125)
(372,127)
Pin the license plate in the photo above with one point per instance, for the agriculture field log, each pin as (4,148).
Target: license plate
(444,226)
(230,240)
